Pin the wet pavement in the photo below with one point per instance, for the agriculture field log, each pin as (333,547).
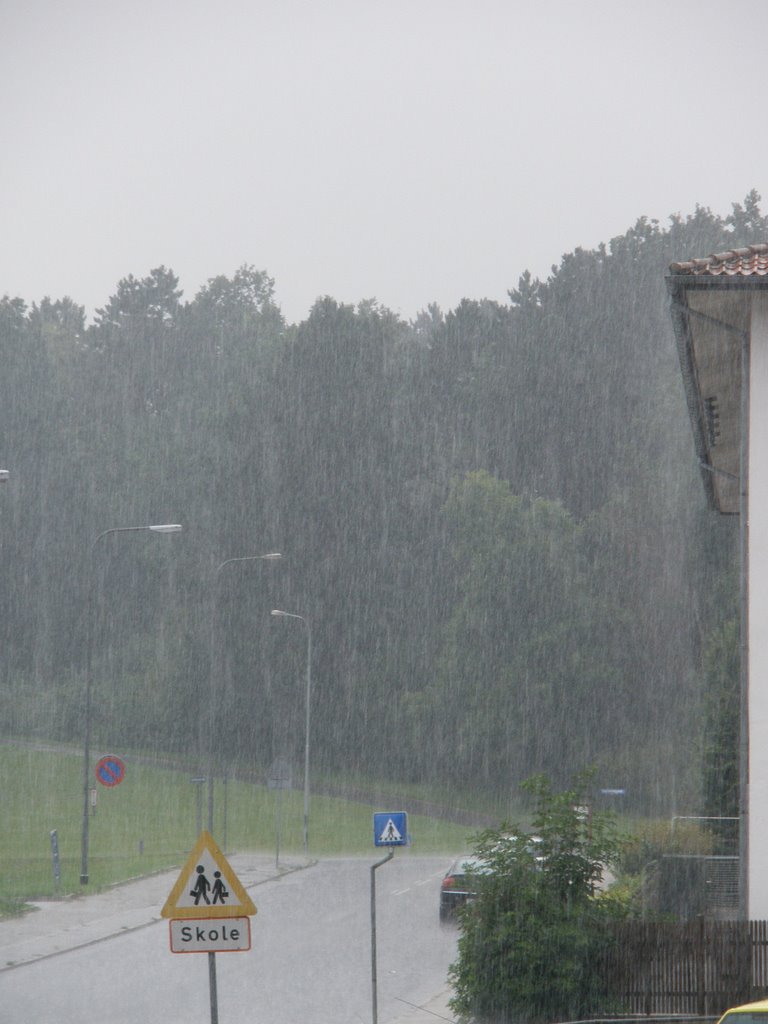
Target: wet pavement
(58,926)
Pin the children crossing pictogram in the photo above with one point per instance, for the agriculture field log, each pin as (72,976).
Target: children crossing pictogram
(218,892)
(202,885)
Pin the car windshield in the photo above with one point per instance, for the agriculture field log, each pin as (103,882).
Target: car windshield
(531,844)
(747,1017)
(470,866)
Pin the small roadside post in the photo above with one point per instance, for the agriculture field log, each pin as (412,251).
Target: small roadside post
(199,782)
(55,860)
(389,829)
(209,910)
(279,779)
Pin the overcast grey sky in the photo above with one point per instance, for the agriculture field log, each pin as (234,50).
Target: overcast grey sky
(414,151)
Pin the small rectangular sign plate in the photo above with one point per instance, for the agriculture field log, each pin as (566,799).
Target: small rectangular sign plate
(210,935)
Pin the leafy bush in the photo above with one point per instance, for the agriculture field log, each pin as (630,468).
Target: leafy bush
(531,940)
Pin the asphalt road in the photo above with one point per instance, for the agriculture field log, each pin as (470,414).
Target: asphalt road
(310,961)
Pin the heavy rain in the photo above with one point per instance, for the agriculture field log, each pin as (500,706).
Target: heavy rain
(270,569)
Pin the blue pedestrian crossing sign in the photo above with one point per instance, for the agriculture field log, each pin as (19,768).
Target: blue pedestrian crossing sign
(390,828)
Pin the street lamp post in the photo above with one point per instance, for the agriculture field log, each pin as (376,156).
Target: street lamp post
(290,615)
(163,528)
(272,556)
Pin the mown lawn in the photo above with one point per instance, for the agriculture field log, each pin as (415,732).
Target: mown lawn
(149,822)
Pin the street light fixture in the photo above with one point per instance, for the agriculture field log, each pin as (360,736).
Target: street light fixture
(162,528)
(272,556)
(4,475)
(290,615)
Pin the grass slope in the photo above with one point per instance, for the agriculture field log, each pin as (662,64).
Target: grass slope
(149,822)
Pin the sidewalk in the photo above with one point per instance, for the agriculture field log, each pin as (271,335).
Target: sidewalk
(435,1010)
(58,926)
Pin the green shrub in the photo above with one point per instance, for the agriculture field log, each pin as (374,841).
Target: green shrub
(651,840)
(532,941)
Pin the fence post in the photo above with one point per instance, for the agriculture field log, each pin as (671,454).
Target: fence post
(701,967)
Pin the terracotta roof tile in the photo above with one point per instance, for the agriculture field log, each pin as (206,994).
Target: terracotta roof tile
(752,260)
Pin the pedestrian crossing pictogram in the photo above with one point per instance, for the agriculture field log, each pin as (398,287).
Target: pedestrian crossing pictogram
(207,886)
(390,833)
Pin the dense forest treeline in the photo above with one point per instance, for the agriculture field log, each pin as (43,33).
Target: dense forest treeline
(491,521)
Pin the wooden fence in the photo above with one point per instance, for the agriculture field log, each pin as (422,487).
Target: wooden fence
(697,968)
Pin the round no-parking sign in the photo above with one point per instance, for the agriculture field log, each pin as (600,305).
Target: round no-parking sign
(110,770)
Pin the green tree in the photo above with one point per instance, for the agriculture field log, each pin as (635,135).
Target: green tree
(333,406)
(154,298)
(239,301)
(531,659)
(552,617)
(530,943)
(748,223)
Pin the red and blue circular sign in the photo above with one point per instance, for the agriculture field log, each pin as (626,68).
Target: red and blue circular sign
(110,770)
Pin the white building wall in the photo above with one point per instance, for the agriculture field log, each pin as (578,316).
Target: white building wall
(757,906)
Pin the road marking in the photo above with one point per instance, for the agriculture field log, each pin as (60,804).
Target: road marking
(401,892)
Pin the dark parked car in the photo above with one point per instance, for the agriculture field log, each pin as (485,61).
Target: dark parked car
(459,886)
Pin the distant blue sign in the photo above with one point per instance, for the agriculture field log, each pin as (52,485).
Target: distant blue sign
(390,828)
(110,771)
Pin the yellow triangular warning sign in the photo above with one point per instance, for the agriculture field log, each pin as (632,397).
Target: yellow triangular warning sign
(207,886)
